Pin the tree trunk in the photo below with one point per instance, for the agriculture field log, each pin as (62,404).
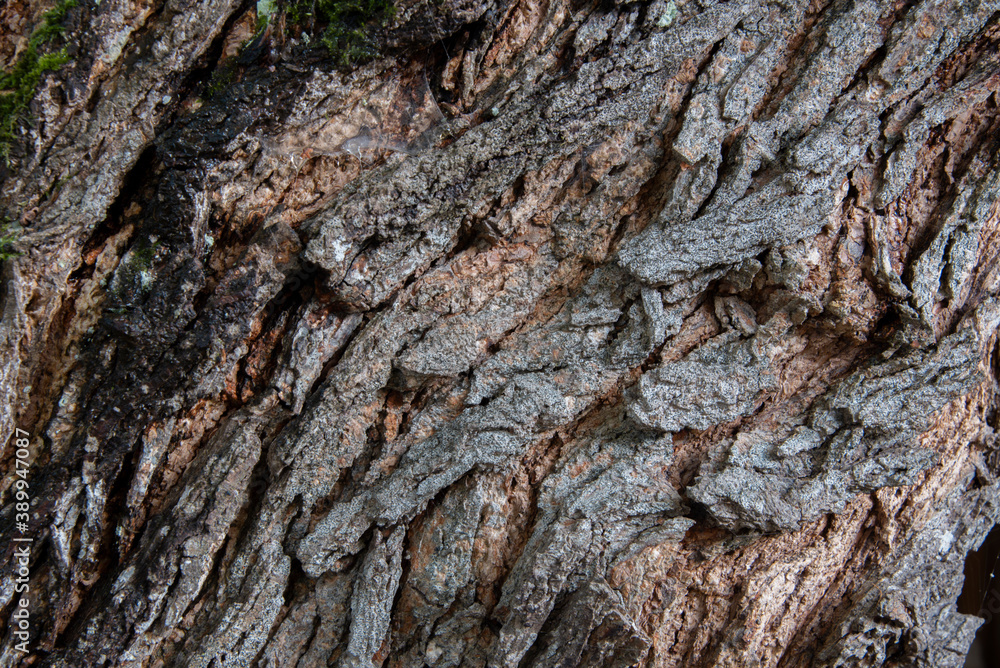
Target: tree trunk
(516,333)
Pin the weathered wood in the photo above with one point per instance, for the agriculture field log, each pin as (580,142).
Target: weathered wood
(563,333)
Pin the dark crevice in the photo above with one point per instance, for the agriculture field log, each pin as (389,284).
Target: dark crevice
(981,595)
(136,179)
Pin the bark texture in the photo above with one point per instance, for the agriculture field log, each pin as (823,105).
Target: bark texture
(564,333)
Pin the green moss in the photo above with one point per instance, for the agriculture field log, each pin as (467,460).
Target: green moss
(134,277)
(9,234)
(350,24)
(347,27)
(18,86)
(222,78)
(265,10)
(144,258)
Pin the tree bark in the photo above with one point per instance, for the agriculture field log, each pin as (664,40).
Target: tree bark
(560,333)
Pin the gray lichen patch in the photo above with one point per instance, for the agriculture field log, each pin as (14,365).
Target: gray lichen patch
(790,207)
(709,387)
(318,337)
(860,436)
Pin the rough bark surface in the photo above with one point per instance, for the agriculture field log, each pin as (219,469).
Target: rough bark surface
(563,333)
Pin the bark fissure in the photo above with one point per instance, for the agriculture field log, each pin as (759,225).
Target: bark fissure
(561,334)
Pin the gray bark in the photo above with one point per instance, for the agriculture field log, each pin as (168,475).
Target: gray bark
(561,333)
